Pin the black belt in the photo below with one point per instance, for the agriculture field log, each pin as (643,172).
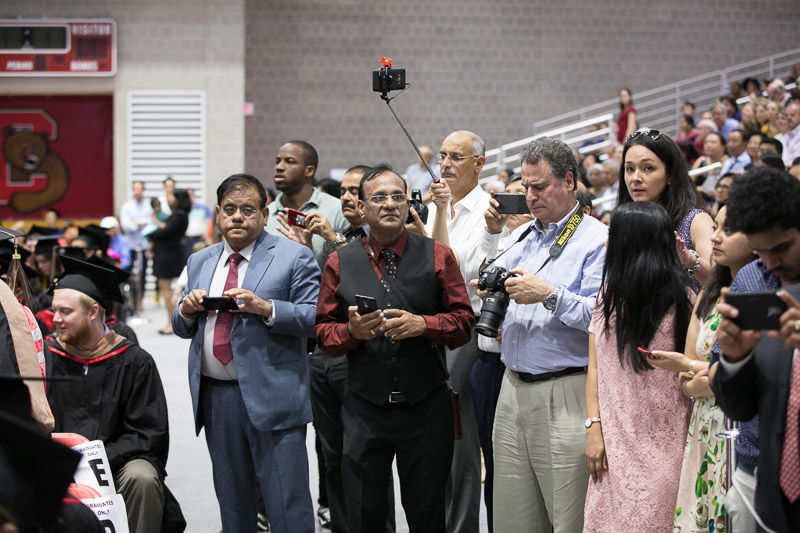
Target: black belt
(215,381)
(531,378)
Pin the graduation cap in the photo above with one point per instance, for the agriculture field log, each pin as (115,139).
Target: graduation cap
(45,245)
(97,282)
(95,237)
(74,252)
(121,275)
(41,230)
(36,470)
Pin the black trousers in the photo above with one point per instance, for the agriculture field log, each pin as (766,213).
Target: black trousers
(420,436)
(328,377)
(485,381)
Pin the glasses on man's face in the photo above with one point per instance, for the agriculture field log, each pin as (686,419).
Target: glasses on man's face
(380,199)
(246,211)
(455,158)
(653,134)
(720,187)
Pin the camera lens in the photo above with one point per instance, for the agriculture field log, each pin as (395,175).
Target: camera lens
(493,313)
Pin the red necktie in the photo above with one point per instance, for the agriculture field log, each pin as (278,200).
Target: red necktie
(222,328)
(790,461)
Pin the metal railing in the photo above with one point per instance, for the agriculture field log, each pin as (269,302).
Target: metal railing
(657,108)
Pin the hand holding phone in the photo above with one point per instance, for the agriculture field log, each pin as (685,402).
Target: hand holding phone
(757,310)
(366,304)
(219,303)
(296,218)
(512,204)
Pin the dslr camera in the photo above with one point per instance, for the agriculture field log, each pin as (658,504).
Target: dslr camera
(495,306)
(419,207)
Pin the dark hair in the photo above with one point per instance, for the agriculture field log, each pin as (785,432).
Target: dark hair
(154,201)
(630,93)
(238,182)
(774,142)
(271,195)
(689,119)
(722,140)
(745,135)
(720,277)
(362,169)
(731,100)
(643,280)
(168,178)
(374,172)
(182,200)
(51,210)
(690,104)
(583,196)
(687,148)
(680,195)
(763,198)
(556,153)
(310,156)
(330,186)
(772,160)
(748,81)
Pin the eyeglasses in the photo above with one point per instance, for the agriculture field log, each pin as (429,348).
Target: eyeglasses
(720,187)
(455,158)
(380,199)
(246,211)
(653,134)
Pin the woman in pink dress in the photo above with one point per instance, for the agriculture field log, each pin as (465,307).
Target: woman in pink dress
(638,415)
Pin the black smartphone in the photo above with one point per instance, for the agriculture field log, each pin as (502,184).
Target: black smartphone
(388,79)
(512,204)
(757,310)
(366,304)
(219,303)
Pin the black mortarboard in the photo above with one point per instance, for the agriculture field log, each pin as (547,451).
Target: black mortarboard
(74,252)
(7,250)
(98,283)
(36,470)
(121,275)
(41,230)
(45,245)
(95,236)
(8,233)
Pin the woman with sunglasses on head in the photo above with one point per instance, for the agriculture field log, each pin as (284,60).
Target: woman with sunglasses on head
(701,496)
(653,171)
(638,415)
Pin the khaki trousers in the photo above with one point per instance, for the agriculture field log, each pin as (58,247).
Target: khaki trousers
(540,472)
(141,488)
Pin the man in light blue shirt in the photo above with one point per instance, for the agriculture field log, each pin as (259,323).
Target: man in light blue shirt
(737,149)
(539,432)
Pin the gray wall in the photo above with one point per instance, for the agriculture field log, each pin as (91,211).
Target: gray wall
(492,67)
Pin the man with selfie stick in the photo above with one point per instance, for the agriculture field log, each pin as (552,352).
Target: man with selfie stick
(248,373)
(398,401)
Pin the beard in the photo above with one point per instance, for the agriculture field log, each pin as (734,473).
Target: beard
(80,336)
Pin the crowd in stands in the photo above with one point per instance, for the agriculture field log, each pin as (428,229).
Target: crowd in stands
(580,358)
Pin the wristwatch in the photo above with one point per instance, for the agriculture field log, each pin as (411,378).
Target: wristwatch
(590,421)
(340,239)
(552,300)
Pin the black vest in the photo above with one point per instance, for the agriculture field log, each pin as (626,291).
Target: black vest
(377,367)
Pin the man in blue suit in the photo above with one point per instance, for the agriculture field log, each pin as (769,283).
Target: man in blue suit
(248,372)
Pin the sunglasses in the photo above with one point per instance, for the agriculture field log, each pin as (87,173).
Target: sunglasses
(653,134)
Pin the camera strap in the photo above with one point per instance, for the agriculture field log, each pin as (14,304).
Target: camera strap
(564,236)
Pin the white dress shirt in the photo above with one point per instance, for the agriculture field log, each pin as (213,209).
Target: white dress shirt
(465,231)
(212,367)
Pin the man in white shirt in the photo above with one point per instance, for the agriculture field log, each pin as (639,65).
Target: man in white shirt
(133,216)
(461,159)
(791,140)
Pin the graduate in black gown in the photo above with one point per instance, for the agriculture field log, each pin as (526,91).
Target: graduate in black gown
(118,398)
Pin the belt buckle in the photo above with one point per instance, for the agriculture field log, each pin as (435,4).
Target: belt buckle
(391,397)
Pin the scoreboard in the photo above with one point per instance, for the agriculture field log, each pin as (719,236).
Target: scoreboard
(58,47)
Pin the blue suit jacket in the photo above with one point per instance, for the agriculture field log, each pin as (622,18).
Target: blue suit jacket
(271,363)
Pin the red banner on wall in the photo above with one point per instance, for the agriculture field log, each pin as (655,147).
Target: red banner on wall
(56,153)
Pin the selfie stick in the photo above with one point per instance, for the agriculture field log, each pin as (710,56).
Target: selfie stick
(387,63)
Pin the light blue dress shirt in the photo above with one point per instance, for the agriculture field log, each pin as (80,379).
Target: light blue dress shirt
(536,340)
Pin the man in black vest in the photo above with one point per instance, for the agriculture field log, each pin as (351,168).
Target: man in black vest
(398,402)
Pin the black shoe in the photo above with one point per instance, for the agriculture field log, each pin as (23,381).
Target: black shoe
(324,519)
